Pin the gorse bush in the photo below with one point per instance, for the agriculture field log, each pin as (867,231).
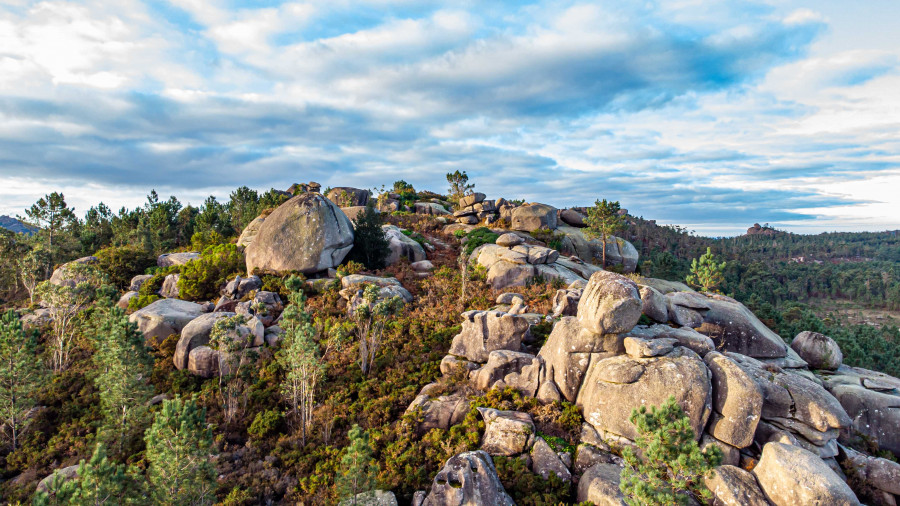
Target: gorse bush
(121,263)
(201,278)
(672,466)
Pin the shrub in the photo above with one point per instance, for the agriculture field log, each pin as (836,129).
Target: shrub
(527,488)
(671,466)
(201,278)
(477,237)
(370,246)
(350,267)
(265,423)
(206,238)
(123,263)
(551,238)
(154,284)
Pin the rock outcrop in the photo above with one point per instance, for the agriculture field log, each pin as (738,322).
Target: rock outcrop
(165,317)
(308,233)
(486,331)
(402,246)
(468,479)
(790,475)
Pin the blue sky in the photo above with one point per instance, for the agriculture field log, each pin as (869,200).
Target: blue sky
(712,115)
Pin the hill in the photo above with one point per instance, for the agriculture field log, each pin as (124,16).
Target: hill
(303,346)
(14,225)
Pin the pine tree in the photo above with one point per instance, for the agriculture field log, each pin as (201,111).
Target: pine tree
(299,356)
(21,376)
(370,246)
(124,366)
(52,214)
(671,465)
(603,220)
(706,273)
(358,468)
(459,185)
(179,451)
(99,482)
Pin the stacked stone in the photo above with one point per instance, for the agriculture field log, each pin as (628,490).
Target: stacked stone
(473,208)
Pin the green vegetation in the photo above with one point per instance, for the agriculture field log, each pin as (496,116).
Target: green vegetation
(477,237)
(358,468)
(370,247)
(671,465)
(21,375)
(99,481)
(123,364)
(603,220)
(121,263)
(459,185)
(299,357)
(706,273)
(202,278)
(179,448)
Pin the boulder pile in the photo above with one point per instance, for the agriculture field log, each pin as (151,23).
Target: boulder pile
(783,413)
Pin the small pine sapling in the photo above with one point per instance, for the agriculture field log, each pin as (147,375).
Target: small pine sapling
(671,465)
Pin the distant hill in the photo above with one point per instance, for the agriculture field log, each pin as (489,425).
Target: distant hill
(14,225)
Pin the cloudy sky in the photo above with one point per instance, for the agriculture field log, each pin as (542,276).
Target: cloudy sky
(708,114)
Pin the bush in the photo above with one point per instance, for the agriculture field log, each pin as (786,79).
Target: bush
(265,423)
(527,488)
(142,301)
(477,237)
(370,246)
(123,263)
(551,238)
(153,285)
(201,278)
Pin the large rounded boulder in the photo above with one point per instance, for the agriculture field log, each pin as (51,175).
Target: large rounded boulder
(790,475)
(165,317)
(616,386)
(308,233)
(531,217)
(610,304)
(819,350)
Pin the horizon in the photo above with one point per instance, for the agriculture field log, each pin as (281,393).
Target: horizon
(711,116)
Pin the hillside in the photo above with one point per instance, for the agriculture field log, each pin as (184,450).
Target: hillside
(14,225)
(308,345)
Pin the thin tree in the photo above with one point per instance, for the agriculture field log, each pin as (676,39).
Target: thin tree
(230,341)
(21,376)
(299,356)
(179,452)
(371,317)
(32,268)
(358,468)
(124,366)
(65,302)
(603,220)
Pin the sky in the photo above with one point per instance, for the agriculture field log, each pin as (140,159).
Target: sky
(708,114)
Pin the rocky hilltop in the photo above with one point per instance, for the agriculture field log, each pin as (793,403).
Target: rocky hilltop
(551,329)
